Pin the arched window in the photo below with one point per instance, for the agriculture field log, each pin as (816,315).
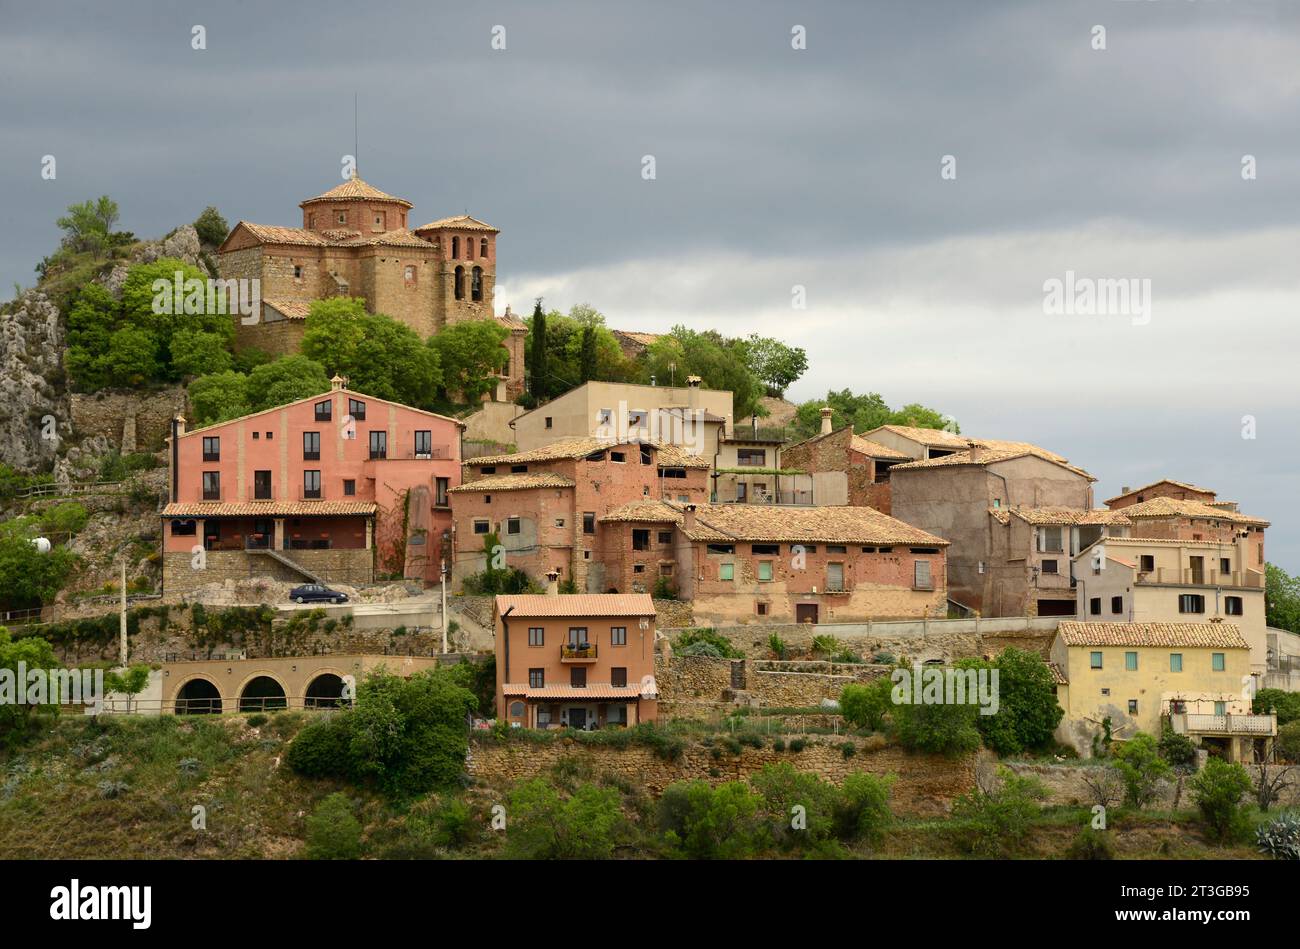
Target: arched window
(455,248)
(476,284)
(482,247)
(469,248)
(460,283)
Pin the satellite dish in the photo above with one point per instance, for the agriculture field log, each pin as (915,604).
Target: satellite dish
(42,544)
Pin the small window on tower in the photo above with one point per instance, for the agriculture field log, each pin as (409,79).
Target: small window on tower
(297,271)
(409,273)
(483,247)
(342,217)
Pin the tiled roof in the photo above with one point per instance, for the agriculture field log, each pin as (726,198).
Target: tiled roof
(398,237)
(268,508)
(317,398)
(516,482)
(292,309)
(511,321)
(596,691)
(772,523)
(1058,674)
(461,222)
(876,450)
(656,511)
(1157,541)
(988,456)
(930,437)
(354,189)
(1147,487)
(576,604)
(674,456)
(1173,507)
(1210,635)
(644,339)
(273,234)
(1059,515)
(580,447)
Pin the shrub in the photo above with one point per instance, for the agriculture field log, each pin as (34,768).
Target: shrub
(1288,742)
(999,820)
(946,729)
(1217,791)
(211,227)
(1091,844)
(865,706)
(777,645)
(798,744)
(778,744)
(825,645)
(718,642)
(1286,703)
(68,518)
(321,749)
(706,823)
(256,720)
(848,749)
(1028,712)
(1178,750)
(782,789)
(664,589)
(863,810)
(333,833)
(543,826)
(1140,765)
(1280,837)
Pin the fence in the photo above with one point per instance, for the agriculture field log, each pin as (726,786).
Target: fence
(84,487)
(896,628)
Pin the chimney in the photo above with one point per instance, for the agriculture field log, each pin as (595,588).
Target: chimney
(553,583)
(1125,490)
(688,518)
(693,392)
(338,382)
(173,455)
(974,448)
(826,419)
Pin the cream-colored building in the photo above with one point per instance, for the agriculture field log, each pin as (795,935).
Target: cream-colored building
(690,416)
(1133,674)
(1158,580)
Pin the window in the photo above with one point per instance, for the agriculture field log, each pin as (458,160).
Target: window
(721,548)
(1217,663)
(460,283)
(324,411)
(483,247)
(1094,606)
(1132,706)
(726,571)
(256,436)
(512,525)
(262,485)
(751,457)
(536,636)
(440,488)
(1232,605)
(297,271)
(1094,660)
(1191,603)
(357,409)
(424,444)
(311,446)
(618,456)
(559,522)
(589,522)
(834,576)
(665,570)
(640,539)
(618,676)
(342,217)
(536,678)
(455,248)
(578,677)
(761,607)
(549,421)
(1049,566)
(212,448)
(605,417)
(1130,661)
(1148,563)
(1220,708)
(665,537)
(765,550)
(1175,662)
(518,469)
(1225,565)
(270,435)
(481,526)
(311,484)
(1049,540)
(349,487)
(765,570)
(212,485)
(476,284)
(488,469)
(184,528)
(516,709)
(637,418)
(838,549)
(379,219)
(921,578)
(1117,604)
(638,568)
(379,444)
(618,635)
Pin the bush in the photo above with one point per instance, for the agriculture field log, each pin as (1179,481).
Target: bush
(321,750)
(865,706)
(1000,820)
(1140,765)
(945,729)
(777,645)
(1286,703)
(1178,750)
(1280,837)
(1288,742)
(1217,791)
(211,227)
(798,744)
(664,589)
(706,823)
(543,826)
(1091,844)
(782,789)
(256,720)
(778,744)
(1028,712)
(721,644)
(333,833)
(68,518)
(825,645)
(863,810)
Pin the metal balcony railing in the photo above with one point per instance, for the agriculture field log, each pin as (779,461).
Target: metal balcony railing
(585,652)
(1186,576)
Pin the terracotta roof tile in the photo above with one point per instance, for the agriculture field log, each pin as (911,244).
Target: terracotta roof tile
(594,690)
(989,456)
(1060,515)
(515,482)
(576,604)
(268,508)
(1173,507)
(1147,487)
(654,511)
(398,237)
(580,447)
(1058,674)
(1209,635)
(461,222)
(354,189)
(273,234)
(292,309)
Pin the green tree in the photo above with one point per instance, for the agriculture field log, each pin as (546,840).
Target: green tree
(199,353)
(1028,712)
(1281,599)
(775,363)
(28,577)
(864,413)
(129,682)
(132,356)
(542,825)
(471,355)
(939,728)
(782,789)
(1140,765)
(1218,791)
(863,812)
(538,368)
(92,318)
(999,820)
(587,368)
(87,226)
(288,379)
(211,226)
(219,397)
(1286,703)
(64,519)
(706,823)
(378,355)
(865,706)
(18,720)
(333,831)
(721,364)
(1288,742)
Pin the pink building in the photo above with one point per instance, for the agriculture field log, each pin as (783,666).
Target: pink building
(336,487)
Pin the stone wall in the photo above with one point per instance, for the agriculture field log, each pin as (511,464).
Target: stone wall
(135,421)
(673,613)
(926,784)
(352,566)
(706,682)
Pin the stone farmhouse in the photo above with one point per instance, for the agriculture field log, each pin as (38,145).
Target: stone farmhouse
(313,490)
(356,241)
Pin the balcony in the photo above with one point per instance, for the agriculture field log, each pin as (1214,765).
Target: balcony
(583,653)
(429,453)
(1187,723)
(1171,576)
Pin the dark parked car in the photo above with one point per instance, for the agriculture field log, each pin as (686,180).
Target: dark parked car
(315,593)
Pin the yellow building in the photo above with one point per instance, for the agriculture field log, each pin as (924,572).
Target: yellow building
(1134,673)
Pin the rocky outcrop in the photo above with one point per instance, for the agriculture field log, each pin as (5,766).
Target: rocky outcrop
(182,243)
(33,413)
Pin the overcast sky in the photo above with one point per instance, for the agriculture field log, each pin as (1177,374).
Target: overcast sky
(774,168)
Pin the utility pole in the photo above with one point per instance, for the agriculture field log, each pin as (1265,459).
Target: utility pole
(442,570)
(122,620)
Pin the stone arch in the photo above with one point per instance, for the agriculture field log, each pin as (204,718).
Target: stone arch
(476,284)
(324,690)
(262,692)
(460,283)
(197,695)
